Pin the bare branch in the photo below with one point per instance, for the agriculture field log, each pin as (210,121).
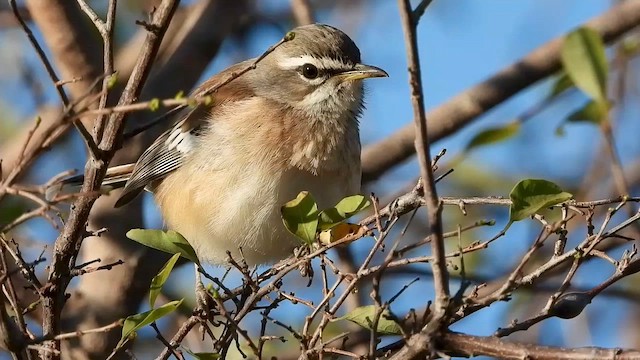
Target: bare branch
(467,345)
(67,245)
(434,206)
(302,12)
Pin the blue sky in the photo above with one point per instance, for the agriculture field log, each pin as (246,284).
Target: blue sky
(461,44)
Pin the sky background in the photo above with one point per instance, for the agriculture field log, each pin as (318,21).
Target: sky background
(461,43)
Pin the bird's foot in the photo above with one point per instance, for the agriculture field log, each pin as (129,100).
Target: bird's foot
(203,301)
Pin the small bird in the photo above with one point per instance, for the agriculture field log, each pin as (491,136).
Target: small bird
(221,174)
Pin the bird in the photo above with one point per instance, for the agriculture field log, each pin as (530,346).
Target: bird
(221,174)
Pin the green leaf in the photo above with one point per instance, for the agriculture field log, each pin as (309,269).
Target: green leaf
(170,242)
(531,195)
(158,281)
(289,36)
(561,83)
(584,60)
(593,112)
(630,47)
(300,216)
(493,135)
(343,210)
(134,323)
(202,355)
(112,80)
(11,209)
(154,104)
(364,316)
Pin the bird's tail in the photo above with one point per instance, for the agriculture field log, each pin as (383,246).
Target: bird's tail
(115,178)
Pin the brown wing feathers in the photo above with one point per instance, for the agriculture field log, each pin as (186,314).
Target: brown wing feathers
(168,151)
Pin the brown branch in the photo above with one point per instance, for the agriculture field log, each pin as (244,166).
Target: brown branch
(179,336)
(13,332)
(302,12)
(75,54)
(434,206)
(197,35)
(54,78)
(78,333)
(105,28)
(67,245)
(125,61)
(70,40)
(461,110)
(467,345)
(8,19)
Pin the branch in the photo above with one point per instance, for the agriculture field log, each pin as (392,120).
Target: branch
(434,206)
(203,27)
(302,12)
(68,242)
(461,110)
(467,345)
(70,40)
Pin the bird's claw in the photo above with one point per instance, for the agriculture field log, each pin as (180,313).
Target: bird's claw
(203,302)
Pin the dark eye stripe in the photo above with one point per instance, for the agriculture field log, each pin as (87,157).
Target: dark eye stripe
(323,72)
(332,72)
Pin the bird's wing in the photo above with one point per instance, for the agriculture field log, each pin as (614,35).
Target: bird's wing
(168,152)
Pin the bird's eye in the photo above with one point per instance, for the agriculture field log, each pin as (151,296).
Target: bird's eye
(309,71)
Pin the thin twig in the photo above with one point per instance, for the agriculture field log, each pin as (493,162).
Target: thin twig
(434,206)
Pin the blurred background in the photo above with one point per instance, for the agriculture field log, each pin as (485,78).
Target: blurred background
(461,44)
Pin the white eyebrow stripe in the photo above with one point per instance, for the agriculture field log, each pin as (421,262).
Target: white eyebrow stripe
(323,63)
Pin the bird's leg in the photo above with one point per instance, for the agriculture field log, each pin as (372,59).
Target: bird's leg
(202,296)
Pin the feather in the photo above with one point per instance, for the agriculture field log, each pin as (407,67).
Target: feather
(165,155)
(169,151)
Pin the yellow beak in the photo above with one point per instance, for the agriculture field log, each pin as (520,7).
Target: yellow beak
(361,71)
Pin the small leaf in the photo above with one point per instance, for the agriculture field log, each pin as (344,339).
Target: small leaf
(134,323)
(112,81)
(343,210)
(202,355)
(531,195)
(561,83)
(206,356)
(339,231)
(158,281)
(11,210)
(364,316)
(179,95)
(154,104)
(326,237)
(593,112)
(584,60)
(170,242)
(300,216)
(192,102)
(289,36)
(630,47)
(493,135)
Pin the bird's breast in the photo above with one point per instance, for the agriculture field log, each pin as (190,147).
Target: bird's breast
(228,194)
(238,208)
